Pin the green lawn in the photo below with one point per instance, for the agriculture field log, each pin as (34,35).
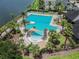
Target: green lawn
(74,55)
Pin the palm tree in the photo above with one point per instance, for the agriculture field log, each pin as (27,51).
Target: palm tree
(23,14)
(21,46)
(1,30)
(53,37)
(53,40)
(35,50)
(12,24)
(49,47)
(59,7)
(41,4)
(67,32)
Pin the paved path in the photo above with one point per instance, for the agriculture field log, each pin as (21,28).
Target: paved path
(61,53)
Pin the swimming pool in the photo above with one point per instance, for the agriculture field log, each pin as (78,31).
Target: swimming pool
(40,22)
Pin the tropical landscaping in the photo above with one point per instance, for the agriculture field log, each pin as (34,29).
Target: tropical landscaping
(12,44)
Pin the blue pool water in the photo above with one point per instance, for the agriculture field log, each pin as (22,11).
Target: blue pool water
(41,23)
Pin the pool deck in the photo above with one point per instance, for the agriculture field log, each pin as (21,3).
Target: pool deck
(28,40)
(41,43)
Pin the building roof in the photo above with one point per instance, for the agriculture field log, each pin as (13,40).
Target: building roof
(76,29)
(71,15)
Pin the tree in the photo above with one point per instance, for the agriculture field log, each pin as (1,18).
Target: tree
(21,46)
(53,37)
(41,4)
(24,21)
(49,3)
(53,41)
(50,47)
(34,49)
(59,7)
(1,30)
(12,25)
(23,14)
(9,50)
(67,32)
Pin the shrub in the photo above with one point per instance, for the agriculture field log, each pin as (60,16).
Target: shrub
(8,50)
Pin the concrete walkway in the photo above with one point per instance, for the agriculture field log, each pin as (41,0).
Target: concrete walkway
(61,53)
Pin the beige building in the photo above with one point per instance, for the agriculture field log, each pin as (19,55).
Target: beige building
(76,2)
(67,3)
(72,1)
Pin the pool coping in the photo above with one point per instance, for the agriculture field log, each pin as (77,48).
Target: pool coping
(36,13)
